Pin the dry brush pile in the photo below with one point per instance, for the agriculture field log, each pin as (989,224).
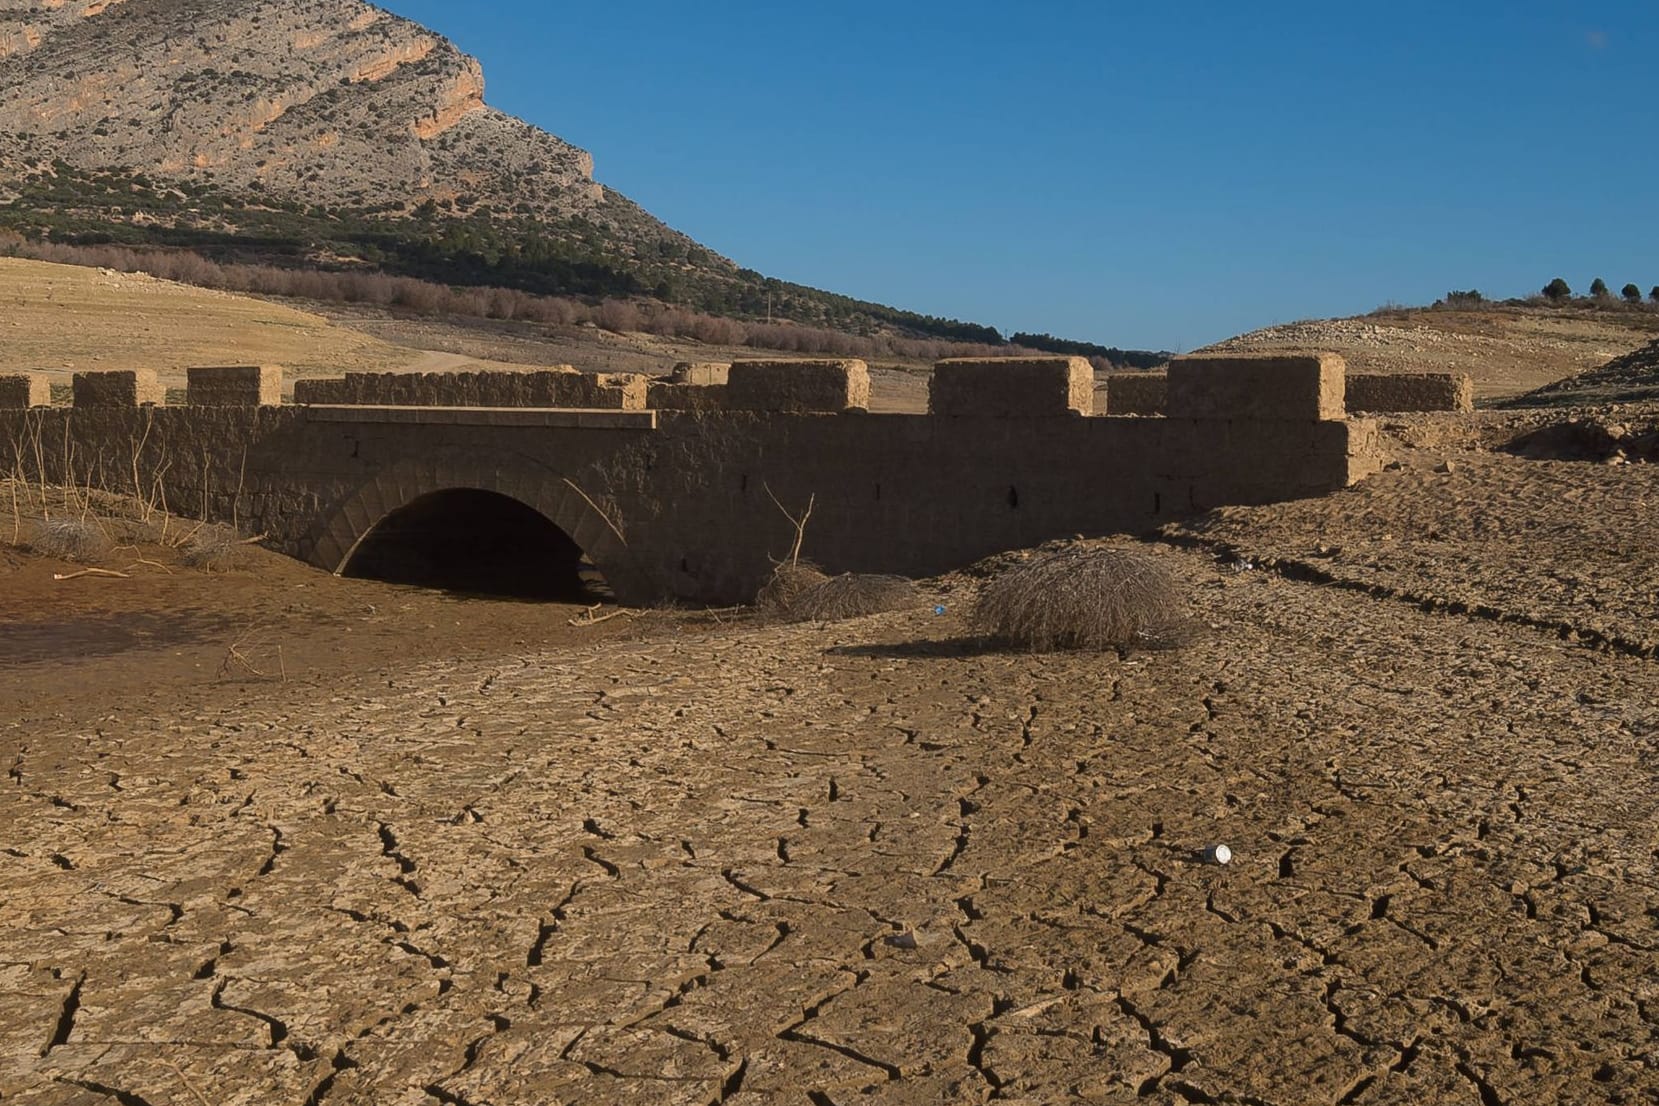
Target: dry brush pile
(1083,597)
(800,592)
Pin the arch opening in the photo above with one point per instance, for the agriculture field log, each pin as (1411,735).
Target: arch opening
(476,542)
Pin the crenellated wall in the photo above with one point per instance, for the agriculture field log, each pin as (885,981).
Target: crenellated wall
(555,386)
(1147,393)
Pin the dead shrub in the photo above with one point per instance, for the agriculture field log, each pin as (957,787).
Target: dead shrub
(619,316)
(788,580)
(1083,597)
(215,548)
(853,595)
(69,539)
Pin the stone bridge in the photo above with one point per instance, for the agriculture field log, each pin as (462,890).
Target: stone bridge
(692,497)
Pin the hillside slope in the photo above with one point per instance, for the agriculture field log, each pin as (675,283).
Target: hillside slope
(1632,378)
(63,318)
(1507,349)
(331,134)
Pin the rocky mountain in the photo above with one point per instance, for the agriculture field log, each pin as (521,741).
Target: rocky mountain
(331,134)
(325,101)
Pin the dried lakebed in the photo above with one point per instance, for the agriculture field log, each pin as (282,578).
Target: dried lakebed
(858,863)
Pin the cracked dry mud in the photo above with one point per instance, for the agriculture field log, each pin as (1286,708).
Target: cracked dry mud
(864,863)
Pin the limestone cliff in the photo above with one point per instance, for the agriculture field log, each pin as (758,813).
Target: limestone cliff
(325,101)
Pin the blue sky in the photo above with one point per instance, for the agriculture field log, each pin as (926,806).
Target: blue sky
(1133,174)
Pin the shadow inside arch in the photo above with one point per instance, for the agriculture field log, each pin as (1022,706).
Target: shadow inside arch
(478,543)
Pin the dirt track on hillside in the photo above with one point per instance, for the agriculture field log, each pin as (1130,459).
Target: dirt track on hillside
(704,859)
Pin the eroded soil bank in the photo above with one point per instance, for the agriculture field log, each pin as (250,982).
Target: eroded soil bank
(468,853)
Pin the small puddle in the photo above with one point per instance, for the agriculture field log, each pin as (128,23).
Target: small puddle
(104,635)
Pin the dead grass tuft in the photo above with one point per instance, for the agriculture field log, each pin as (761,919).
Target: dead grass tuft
(1083,598)
(214,548)
(853,595)
(69,539)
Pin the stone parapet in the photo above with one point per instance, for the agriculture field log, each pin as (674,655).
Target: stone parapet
(491,417)
(234,386)
(1142,393)
(1012,387)
(118,388)
(320,390)
(799,386)
(559,386)
(665,395)
(700,372)
(1392,392)
(23,390)
(1261,386)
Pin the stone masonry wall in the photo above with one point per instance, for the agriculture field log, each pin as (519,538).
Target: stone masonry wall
(1388,392)
(1148,393)
(798,386)
(1270,386)
(701,372)
(912,494)
(1012,387)
(556,387)
(234,386)
(120,388)
(666,395)
(1143,393)
(22,390)
(320,390)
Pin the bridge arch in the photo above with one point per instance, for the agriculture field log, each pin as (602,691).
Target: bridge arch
(508,491)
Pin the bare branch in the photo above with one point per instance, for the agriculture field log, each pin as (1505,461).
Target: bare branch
(798,523)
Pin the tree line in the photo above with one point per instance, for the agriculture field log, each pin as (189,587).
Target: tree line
(1558,290)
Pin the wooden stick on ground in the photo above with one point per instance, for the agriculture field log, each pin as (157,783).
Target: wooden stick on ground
(587,618)
(91,572)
